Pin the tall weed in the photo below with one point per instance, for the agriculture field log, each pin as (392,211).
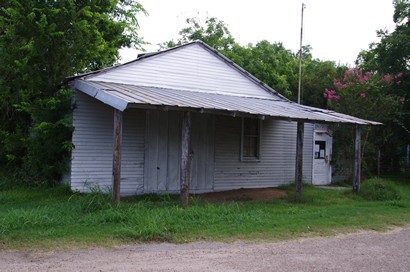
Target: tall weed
(380,189)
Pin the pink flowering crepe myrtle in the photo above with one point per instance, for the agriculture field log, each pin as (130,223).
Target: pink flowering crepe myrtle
(357,76)
(331,95)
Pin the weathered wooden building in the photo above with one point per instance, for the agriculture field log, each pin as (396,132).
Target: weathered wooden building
(243,132)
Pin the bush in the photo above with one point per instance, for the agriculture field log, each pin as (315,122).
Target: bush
(379,189)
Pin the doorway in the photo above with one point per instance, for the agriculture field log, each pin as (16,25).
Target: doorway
(322,154)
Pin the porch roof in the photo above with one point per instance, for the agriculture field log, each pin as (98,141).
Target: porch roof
(123,96)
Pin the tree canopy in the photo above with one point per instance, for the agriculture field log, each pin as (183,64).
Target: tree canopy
(42,42)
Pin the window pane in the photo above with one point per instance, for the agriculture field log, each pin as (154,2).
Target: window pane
(250,147)
(250,138)
(251,127)
(320,149)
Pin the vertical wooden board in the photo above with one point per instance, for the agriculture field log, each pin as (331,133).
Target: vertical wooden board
(197,144)
(210,167)
(162,151)
(150,177)
(174,150)
(203,147)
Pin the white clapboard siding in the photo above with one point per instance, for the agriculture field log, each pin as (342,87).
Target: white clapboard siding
(132,152)
(91,163)
(190,67)
(277,159)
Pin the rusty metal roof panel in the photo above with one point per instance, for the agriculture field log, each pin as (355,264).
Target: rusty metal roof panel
(122,96)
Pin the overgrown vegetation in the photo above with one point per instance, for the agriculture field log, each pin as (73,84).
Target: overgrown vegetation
(380,189)
(41,43)
(59,218)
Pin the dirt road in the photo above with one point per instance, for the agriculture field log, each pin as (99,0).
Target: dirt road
(366,251)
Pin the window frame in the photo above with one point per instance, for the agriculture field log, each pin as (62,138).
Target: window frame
(244,158)
(316,154)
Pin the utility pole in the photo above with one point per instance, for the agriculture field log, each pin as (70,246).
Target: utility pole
(300,128)
(300,54)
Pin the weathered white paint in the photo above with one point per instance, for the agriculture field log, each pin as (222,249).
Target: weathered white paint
(276,165)
(191,67)
(322,170)
(151,151)
(203,148)
(163,152)
(91,163)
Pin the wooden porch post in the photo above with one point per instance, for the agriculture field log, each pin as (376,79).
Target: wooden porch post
(357,160)
(299,159)
(116,162)
(185,158)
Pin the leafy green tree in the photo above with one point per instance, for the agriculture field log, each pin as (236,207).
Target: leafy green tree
(370,96)
(316,75)
(215,33)
(392,56)
(42,42)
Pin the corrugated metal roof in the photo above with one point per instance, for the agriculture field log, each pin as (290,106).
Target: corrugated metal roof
(118,87)
(122,96)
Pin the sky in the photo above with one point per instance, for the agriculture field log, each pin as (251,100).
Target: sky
(337,30)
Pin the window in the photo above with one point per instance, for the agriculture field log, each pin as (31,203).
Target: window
(250,139)
(320,149)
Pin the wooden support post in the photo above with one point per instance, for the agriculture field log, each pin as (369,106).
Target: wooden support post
(357,160)
(116,162)
(185,158)
(299,159)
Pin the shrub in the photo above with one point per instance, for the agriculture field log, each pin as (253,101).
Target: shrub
(379,189)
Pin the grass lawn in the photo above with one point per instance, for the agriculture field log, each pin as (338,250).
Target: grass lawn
(58,218)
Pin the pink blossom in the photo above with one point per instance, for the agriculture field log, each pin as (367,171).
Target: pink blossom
(402,99)
(339,85)
(386,78)
(331,95)
(398,82)
(363,95)
(399,75)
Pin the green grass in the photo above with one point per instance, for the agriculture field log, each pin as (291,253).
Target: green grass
(58,218)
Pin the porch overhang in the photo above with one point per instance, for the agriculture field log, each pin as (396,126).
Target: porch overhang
(123,96)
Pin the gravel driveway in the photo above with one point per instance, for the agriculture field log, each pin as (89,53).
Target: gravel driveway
(365,251)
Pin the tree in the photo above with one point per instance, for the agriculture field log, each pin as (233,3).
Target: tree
(42,42)
(391,56)
(215,33)
(370,96)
